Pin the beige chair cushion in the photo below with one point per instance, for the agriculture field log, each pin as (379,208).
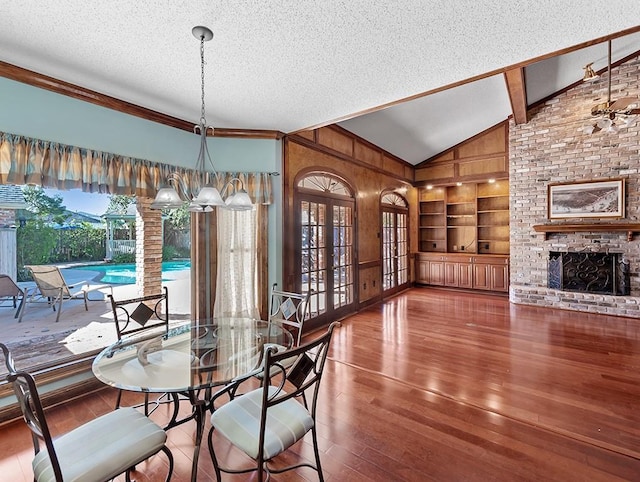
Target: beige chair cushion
(239,422)
(102,448)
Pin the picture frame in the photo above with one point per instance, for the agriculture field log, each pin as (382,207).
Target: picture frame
(589,199)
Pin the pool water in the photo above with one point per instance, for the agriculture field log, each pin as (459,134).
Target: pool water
(126,273)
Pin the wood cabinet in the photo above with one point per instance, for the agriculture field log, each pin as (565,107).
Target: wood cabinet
(490,273)
(470,218)
(481,272)
(458,273)
(430,270)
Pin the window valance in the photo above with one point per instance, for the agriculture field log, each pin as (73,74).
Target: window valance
(25,160)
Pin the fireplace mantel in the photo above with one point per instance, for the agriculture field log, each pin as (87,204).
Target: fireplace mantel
(630,229)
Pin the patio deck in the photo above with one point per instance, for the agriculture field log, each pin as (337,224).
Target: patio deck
(40,339)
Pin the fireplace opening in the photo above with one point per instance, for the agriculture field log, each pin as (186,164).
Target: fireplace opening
(588,272)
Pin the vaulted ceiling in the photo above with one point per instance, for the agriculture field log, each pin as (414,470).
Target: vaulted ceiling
(413,77)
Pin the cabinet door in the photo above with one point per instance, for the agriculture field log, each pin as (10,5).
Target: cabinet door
(422,273)
(499,277)
(465,275)
(451,273)
(481,277)
(436,273)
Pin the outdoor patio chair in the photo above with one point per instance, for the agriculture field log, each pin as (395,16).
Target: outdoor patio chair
(52,288)
(100,449)
(269,420)
(10,291)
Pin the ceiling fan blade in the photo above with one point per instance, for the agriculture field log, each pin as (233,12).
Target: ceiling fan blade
(624,104)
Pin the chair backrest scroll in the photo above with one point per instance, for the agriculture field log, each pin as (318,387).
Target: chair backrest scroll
(138,314)
(289,309)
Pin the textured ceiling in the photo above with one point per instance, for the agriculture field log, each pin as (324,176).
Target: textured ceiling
(290,65)
(424,127)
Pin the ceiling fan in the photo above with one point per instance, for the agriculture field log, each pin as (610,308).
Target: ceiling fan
(613,115)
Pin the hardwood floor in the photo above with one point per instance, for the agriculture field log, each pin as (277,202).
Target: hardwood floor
(441,385)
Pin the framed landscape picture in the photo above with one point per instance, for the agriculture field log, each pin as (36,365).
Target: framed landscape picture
(591,199)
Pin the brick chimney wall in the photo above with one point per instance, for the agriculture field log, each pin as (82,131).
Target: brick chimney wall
(148,248)
(549,149)
(7,218)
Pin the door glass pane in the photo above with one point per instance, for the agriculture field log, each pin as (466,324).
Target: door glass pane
(342,256)
(312,261)
(402,250)
(388,248)
(395,249)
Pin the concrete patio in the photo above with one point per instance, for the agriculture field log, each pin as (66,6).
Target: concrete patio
(39,339)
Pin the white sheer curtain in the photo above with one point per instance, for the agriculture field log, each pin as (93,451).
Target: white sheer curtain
(237,277)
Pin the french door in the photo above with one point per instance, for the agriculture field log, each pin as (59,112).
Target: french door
(395,244)
(326,255)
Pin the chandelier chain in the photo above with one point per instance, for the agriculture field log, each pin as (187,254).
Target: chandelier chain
(203,121)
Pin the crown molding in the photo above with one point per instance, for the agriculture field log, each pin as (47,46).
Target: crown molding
(51,84)
(247,133)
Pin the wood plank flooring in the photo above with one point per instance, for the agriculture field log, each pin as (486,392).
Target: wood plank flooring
(444,386)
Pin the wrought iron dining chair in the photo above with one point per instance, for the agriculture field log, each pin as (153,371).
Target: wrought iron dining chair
(136,315)
(289,310)
(98,450)
(267,421)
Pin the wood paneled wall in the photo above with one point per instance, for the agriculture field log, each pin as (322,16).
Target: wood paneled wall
(476,159)
(370,171)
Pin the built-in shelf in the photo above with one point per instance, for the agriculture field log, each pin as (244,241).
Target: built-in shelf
(630,229)
(472,217)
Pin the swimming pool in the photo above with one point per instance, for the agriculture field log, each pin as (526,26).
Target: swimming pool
(126,273)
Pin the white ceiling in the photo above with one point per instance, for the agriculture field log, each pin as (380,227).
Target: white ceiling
(290,65)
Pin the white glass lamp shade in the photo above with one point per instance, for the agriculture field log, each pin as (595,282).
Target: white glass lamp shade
(167,198)
(208,196)
(240,201)
(588,129)
(195,208)
(627,121)
(198,208)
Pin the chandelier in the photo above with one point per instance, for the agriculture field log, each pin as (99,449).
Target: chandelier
(201,192)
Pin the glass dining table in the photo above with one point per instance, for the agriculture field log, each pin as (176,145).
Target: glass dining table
(188,362)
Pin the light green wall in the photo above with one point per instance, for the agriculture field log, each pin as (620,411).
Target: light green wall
(38,113)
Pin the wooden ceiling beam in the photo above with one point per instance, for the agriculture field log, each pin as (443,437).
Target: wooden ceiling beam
(514,78)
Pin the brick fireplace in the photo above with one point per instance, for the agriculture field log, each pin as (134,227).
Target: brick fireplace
(551,148)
